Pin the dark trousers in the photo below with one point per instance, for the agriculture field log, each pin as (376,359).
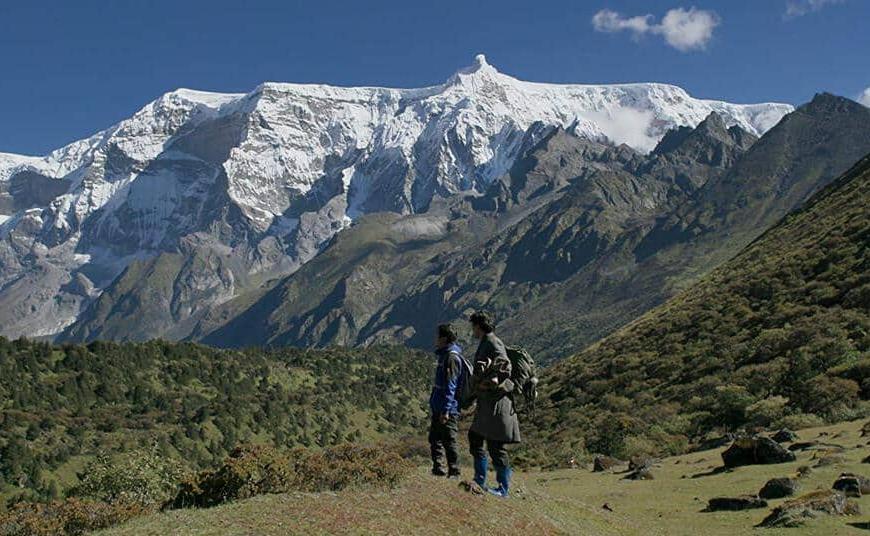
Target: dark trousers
(497,450)
(442,440)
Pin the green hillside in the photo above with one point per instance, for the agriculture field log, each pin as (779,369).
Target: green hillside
(779,335)
(60,405)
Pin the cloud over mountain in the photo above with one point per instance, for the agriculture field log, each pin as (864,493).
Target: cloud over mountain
(684,29)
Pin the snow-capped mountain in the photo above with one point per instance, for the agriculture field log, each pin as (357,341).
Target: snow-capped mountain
(264,179)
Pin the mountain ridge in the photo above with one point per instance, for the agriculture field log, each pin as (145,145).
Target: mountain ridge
(271,175)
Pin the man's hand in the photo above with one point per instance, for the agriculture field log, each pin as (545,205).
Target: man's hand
(443,418)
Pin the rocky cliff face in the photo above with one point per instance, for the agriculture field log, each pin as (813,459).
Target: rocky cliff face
(208,195)
(578,238)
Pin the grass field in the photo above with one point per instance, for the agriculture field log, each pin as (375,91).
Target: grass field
(567,501)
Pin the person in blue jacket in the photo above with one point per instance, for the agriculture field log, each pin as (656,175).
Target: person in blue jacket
(444,403)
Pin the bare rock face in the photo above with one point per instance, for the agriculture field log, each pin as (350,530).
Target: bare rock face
(290,163)
(796,512)
(756,450)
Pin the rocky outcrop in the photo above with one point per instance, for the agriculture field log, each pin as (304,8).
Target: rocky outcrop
(756,450)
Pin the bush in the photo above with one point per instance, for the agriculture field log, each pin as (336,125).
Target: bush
(140,477)
(72,516)
(766,411)
(248,471)
(799,421)
(348,465)
(257,469)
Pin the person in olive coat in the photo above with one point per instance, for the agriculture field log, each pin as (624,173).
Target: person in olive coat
(495,419)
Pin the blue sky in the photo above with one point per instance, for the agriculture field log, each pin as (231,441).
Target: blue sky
(68,69)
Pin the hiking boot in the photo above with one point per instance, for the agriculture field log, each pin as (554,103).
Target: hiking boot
(503,476)
(453,474)
(437,471)
(498,492)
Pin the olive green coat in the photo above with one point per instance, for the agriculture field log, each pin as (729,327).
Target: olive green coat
(495,418)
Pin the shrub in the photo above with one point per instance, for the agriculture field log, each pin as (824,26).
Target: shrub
(798,421)
(258,469)
(766,411)
(348,465)
(248,471)
(71,516)
(141,477)
(830,396)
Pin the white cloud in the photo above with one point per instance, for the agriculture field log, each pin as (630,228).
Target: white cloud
(864,98)
(611,21)
(683,29)
(626,125)
(796,8)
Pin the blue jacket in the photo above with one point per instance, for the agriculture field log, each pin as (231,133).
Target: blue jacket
(445,392)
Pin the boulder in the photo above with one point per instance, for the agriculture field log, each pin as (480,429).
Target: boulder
(756,450)
(777,488)
(785,436)
(744,502)
(795,512)
(638,462)
(641,473)
(604,463)
(852,485)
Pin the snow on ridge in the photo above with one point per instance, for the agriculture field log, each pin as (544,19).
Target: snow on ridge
(302,161)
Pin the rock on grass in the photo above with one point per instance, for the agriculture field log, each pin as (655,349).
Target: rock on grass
(777,488)
(756,450)
(852,485)
(785,436)
(796,512)
(744,502)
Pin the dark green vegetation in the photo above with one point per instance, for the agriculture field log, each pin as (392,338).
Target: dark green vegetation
(779,335)
(114,490)
(62,405)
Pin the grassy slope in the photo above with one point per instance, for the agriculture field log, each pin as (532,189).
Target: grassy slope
(787,317)
(567,501)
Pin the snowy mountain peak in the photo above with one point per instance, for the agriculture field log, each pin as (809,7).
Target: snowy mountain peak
(273,174)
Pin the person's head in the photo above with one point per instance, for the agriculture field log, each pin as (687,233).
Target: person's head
(480,324)
(445,336)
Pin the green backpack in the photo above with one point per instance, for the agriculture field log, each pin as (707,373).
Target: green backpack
(523,374)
